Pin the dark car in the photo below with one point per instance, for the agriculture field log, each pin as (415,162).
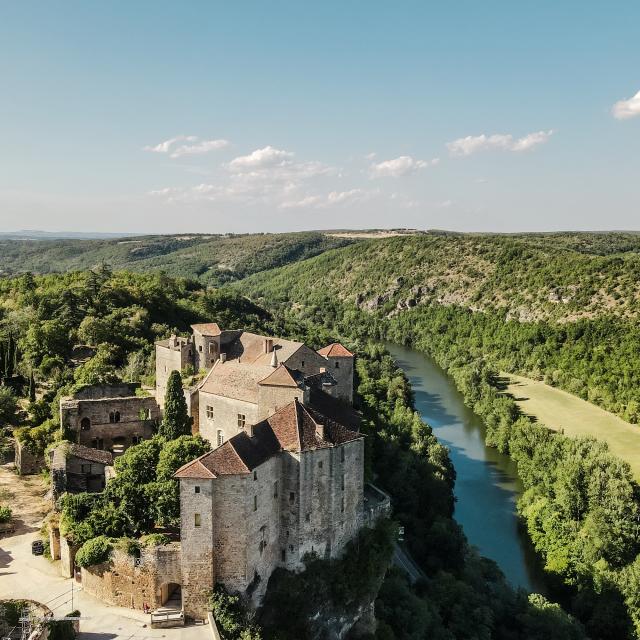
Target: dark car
(37,547)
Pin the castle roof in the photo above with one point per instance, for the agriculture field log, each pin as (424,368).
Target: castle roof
(335,350)
(294,428)
(249,348)
(67,449)
(207,328)
(283,376)
(234,379)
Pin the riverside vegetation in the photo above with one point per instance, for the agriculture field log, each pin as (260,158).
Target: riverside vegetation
(550,307)
(119,315)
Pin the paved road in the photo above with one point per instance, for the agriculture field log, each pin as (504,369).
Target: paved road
(404,561)
(23,575)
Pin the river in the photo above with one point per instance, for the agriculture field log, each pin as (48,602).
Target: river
(486,483)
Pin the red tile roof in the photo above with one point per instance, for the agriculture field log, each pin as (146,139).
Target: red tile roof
(294,428)
(207,328)
(335,350)
(283,376)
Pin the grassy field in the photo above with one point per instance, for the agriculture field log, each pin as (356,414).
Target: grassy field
(560,410)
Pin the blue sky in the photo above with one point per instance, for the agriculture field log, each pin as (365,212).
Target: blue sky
(252,116)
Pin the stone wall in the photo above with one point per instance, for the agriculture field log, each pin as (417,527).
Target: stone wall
(99,391)
(67,557)
(171,355)
(206,350)
(342,370)
(198,578)
(273,397)
(26,462)
(125,583)
(91,420)
(225,416)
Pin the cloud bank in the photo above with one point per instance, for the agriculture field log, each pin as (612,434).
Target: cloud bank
(192,145)
(504,142)
(402,166)
(625,109)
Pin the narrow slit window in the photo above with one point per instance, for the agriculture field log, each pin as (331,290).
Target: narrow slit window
(196,520)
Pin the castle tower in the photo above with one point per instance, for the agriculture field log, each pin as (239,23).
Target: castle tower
(340,363)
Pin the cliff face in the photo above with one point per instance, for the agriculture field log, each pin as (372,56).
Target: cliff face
(330,599)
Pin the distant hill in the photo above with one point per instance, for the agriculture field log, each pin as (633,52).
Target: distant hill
(557,276)
(27,234)
(210,259)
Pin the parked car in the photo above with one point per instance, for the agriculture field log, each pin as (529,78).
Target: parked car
(37,547)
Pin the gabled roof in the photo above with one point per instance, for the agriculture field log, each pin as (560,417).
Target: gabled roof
(207,329)
(335,350)
(293,428)
(283,376)
(67,449)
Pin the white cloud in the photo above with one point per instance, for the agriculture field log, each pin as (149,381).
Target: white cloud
(198,147)
(402,166)
(331,199)
(505,142)
(260,158)
(625,109)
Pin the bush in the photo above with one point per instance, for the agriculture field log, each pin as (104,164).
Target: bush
(154,540)
(5,513)
(94,551)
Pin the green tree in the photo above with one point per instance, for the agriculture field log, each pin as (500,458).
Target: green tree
(176,421)
(8,406)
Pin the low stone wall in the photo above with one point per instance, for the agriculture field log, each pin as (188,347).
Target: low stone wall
(67,557)
(125,582)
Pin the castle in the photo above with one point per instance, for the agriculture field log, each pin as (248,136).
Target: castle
(285,476)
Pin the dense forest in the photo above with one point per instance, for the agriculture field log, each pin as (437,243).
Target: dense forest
(580,506)
(46,321)
(210,259)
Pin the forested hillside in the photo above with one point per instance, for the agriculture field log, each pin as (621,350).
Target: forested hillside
(563,307)
(210,259)
(479,304)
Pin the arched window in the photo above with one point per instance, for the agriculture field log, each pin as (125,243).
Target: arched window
(85,424)
(116,417)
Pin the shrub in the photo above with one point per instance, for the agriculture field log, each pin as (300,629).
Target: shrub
(5,513)
(154,540)
(94,551)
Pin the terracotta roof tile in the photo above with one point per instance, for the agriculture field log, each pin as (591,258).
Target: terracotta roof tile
(335,350)
(207,328)
(283,376)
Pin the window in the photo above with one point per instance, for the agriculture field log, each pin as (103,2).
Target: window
(165,368)
(85,468)
(209,410)
(116,416)
(283,555)
(255,475)
(320,464)
(196,489)
(275,489)
(136,440)
(342,505)
(196,520)
(342,482)
(342,454)
(307,517)
(241,420)
(212,347)
(302,364)
(220,437)
(200,348)
(337,365)
(292,497)
(85,424)
(255,503)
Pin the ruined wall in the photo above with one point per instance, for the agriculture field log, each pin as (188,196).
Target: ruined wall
(98,391)
(172,355)
(26,462)
(123,583)
(137,419)
(198,578)
(225,416)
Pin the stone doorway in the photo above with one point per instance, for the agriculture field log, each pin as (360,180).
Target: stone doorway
(171,596)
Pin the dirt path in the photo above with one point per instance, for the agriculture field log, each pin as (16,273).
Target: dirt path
(25,496)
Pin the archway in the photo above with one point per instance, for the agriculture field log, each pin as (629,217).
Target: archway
(85,424)
(171,596)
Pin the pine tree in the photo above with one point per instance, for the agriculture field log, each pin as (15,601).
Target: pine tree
(32,387)
(176,421)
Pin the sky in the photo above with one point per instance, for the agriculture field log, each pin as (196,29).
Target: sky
(211,117)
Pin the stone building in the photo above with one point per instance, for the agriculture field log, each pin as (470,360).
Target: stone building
(289,485)
(109,417)
(76,468)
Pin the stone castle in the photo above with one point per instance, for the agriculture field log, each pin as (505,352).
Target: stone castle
(285,476)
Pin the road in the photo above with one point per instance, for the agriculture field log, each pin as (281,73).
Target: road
(404,561)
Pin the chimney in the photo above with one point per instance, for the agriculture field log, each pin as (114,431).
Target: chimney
(173,340)
(223,357)
(274,359)
(321,431)
(268,345)
(249,430)
(323,369)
